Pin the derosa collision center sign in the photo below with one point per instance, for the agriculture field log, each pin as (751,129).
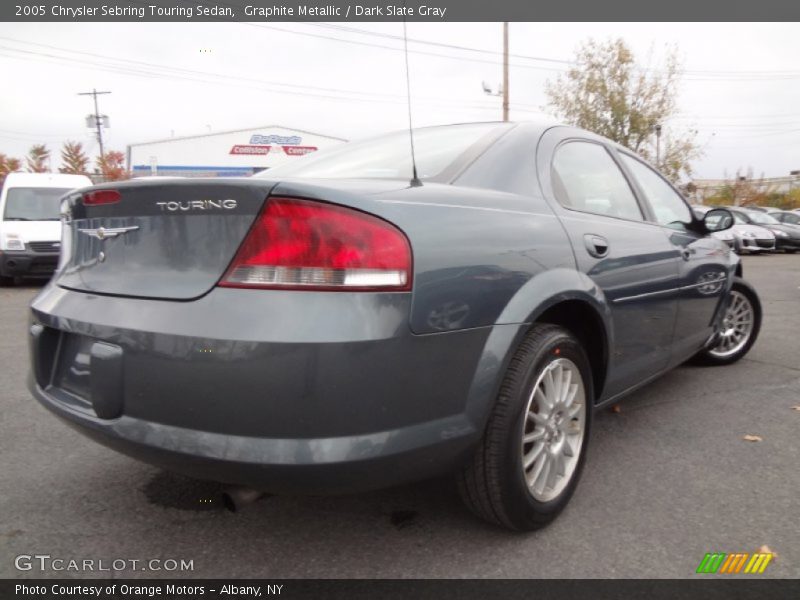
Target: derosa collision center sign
(263,144)
(249,149)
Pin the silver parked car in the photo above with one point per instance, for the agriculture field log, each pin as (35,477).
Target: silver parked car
(743,237)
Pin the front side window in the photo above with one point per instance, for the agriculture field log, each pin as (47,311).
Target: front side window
(33,204)
(586,178)
(668,206)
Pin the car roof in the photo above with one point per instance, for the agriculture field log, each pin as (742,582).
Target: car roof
(45,180)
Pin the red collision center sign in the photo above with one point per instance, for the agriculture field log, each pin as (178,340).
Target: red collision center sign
(248,149)
(298,150)
(262,150)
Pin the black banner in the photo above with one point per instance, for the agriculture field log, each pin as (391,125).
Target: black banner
(712,588)
(412,10)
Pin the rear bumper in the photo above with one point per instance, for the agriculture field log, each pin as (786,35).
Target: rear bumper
(305,465)
(290,399)
(27,263)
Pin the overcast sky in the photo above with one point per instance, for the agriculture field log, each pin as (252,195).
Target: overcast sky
(741,88)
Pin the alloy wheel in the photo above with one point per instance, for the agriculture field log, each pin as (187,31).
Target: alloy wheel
(554,429)
(737,326)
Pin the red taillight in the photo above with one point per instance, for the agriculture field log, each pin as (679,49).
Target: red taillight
(300,244)
(101,197)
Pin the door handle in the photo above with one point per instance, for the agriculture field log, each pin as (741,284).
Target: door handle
(596,245)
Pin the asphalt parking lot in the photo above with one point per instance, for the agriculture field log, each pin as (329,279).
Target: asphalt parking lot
(669,478)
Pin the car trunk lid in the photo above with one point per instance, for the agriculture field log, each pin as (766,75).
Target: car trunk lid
(169,240)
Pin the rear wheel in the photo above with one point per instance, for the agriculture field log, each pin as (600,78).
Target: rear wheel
(6,281)
(530,459)
(741,324)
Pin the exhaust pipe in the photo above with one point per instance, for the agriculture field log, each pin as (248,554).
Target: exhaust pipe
(236,498)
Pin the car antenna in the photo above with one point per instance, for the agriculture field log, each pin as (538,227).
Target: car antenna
(415,181)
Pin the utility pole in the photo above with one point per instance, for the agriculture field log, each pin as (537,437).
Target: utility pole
(98,119)
(505,70)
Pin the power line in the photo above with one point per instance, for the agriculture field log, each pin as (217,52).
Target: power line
(709,73)
(145,69)
(437,44)
(394,48)
(183,70)
(192,75)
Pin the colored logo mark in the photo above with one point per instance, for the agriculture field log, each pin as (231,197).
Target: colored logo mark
(740,562)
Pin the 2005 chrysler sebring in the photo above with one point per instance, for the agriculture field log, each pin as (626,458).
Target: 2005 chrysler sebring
(339,324)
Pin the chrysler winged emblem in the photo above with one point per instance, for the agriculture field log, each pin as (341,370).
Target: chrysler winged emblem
(102,233)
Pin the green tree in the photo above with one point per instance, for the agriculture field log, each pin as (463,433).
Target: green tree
(74,159)
(37,159)
(608,93)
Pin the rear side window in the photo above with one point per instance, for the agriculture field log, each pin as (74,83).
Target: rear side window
(586,178)
(668,206)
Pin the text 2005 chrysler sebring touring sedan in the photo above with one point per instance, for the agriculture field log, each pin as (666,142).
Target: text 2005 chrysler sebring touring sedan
(338,325)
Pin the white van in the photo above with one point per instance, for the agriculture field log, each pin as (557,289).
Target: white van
(30,229)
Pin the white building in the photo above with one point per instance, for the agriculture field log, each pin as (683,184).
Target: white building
(780,185)
(228,153)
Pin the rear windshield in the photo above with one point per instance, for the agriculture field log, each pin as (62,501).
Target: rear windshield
(388,156)
(33,204)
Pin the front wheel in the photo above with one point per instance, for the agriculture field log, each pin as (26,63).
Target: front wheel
(530,459)
(741,324)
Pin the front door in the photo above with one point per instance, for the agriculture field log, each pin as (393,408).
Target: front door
(705,263)
(631,260)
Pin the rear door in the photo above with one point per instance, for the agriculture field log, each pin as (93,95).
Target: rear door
(705,264)
(631,260)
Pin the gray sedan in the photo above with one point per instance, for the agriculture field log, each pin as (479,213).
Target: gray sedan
(357,319)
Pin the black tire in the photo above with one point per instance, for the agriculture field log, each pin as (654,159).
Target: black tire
(6,281)
(493,483)
(710,356)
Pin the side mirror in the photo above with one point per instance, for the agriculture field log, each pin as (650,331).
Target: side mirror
(718,219)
